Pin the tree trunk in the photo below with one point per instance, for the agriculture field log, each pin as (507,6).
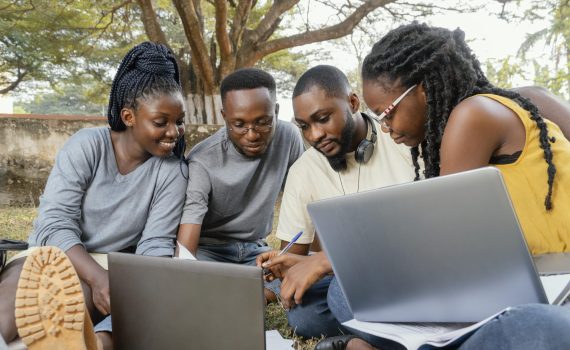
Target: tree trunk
(233,45)
(204,109)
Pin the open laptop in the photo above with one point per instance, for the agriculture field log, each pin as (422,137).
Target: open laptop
(161,303)
(447,249)
(553,263)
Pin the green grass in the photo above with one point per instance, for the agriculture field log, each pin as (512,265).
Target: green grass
(16,223)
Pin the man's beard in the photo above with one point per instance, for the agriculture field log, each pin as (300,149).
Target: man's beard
(338,161)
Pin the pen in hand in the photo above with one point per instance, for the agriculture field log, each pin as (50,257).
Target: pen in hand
(284,250)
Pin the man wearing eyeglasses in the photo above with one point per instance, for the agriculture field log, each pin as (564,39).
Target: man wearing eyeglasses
(236,174)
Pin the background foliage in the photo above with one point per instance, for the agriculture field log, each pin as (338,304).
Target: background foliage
(61,55)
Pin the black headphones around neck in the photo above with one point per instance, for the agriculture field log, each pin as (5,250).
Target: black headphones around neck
(366,147)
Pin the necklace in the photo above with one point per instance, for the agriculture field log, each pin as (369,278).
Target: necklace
(358,183)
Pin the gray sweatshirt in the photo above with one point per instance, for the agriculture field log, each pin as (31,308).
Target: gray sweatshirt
(233,196)
(87,201)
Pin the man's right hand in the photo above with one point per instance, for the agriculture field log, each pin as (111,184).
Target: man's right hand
(297,273)
(307,271)
(276,264)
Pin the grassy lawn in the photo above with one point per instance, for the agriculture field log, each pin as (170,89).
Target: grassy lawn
(16,223)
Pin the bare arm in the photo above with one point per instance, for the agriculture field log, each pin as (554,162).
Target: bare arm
(96,277)
(189,236)
(299,249)
(550,106)
(477,128)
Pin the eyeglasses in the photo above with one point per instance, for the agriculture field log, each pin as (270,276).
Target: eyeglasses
(385,116)
(260,127)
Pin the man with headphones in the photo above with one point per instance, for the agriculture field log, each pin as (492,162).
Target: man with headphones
(348,155)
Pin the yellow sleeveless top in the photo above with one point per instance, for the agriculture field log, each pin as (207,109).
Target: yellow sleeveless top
(546,231)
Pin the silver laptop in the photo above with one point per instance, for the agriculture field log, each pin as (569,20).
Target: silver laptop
(161,303)
(447,249)
(553,263)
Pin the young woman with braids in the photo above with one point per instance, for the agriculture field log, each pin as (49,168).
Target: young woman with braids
(111,189)
(458,121)
(429,92)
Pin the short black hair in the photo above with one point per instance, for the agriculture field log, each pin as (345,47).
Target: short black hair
(443,63)
(148,69)
(247,79)
(329,78)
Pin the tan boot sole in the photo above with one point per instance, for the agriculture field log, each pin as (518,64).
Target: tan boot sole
(50,310)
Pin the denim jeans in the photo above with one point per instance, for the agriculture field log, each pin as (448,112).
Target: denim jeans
(532,326)
(341,311)
(237,252)
(313,318)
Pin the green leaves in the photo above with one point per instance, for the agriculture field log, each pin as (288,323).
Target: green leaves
(553,39)
(61,41)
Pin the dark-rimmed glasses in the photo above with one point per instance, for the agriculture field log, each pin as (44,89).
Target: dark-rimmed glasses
(385,116)
(260,128)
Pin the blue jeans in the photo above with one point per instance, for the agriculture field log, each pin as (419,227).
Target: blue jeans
(237,252)
(313,318)
(533,326)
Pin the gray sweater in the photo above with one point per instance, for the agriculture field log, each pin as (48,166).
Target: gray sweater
(87,201)
(233,196)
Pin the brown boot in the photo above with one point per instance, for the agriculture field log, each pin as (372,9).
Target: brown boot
(50,310)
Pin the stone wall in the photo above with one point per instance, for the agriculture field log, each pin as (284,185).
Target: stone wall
(29,144)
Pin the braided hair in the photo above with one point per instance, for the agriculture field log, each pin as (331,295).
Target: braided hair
(148,69)
(441,61)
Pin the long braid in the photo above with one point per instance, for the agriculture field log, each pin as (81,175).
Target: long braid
(415,155)
(442,62)
(148,70)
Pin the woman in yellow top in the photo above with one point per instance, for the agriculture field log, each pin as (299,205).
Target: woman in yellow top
(429,92)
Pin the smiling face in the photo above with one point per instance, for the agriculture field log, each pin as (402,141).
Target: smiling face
(406,122)
(156,124)
(326,121)
(254,109)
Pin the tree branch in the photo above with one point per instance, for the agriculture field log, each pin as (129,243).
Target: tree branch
(15,3)
(113,10)
(222,36)
(21,75)
(278,8)
(332,32)
(429,7)
(151,26)
(155,33)
(199,51)
(240,20)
